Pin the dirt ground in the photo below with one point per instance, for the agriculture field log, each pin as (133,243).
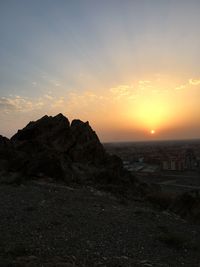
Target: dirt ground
(45,224)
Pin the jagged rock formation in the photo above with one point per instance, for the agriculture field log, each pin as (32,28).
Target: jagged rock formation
(51,147)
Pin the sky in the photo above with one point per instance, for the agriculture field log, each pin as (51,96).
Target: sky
(131,68)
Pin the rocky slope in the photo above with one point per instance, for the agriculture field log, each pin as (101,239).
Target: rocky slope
(53,225)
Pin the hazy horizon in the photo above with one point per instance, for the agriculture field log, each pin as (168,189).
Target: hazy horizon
(130,68)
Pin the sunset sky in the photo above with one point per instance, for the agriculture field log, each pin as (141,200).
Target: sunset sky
(129,67)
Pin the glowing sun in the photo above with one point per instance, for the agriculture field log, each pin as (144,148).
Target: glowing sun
(152,132)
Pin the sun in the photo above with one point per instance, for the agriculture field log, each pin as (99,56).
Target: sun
(152,132)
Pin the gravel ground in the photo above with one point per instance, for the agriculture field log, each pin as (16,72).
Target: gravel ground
(54,225)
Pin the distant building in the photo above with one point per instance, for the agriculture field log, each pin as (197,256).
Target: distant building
(190,160)
(165,165)
(180,162)
(173,164)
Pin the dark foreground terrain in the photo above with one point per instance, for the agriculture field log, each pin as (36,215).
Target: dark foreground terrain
(68,222)
(45,224)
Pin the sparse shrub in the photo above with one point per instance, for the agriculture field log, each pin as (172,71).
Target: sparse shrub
(175,240)
(187,205)
(162,200)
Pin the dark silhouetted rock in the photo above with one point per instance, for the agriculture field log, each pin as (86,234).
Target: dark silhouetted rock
(6,153)
(52,148)
(86,146)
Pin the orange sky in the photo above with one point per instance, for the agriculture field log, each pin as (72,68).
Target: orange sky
(127,67)
(125,112)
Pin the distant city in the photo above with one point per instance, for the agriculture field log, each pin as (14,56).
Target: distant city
(161,155)
(167,163)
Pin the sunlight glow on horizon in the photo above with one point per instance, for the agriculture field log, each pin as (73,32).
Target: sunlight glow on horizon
(121,65)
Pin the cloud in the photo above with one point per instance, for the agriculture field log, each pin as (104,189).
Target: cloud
(48,97)
(144,82)
(180,87)
(5,103)
(122,91)
(46,103)
(21,104)
(34,84)
(189,83)
(15,103)
(58,103)
(55,83)
(84,100)
(194,82)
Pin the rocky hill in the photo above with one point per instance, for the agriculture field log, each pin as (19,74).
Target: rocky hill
(52,148)
(63,212)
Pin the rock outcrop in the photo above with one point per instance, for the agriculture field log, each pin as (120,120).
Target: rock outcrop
(53,148)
